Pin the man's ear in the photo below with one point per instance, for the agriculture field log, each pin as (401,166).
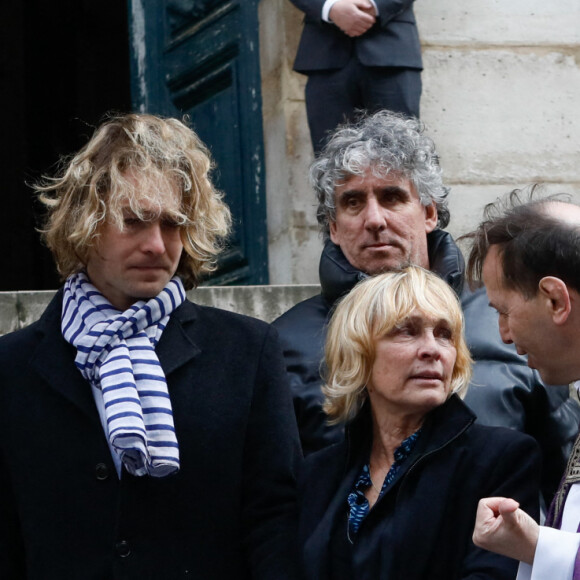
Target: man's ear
(333,236)
(430,217)
(558,298)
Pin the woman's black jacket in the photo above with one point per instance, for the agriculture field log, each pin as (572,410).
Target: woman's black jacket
(421,528)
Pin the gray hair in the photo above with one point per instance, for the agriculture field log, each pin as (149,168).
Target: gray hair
(386,143)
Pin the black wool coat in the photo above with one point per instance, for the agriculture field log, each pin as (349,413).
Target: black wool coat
(421,528)
(230,513)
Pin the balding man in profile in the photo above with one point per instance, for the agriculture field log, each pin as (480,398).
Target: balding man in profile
(528,255)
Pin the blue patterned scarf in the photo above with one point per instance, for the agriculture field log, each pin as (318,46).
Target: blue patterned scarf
(358,503)
(116,354)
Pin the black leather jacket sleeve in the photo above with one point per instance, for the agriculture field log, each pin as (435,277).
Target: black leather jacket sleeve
(302,333)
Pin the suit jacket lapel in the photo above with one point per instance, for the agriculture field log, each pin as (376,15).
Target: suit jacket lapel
(176,346)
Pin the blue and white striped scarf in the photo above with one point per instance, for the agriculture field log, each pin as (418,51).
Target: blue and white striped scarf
(116,354)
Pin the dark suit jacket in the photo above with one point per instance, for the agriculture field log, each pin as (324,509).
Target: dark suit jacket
(230,511)
(421,528)
(392,42)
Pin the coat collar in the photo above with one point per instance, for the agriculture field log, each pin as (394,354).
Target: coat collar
(53,359)
(441,426)
(338,276)
(343,461)
(444,424)
(177,347)
(341,465)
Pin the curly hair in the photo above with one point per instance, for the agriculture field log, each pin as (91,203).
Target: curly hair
(130,158)
(371,310)
(384,142)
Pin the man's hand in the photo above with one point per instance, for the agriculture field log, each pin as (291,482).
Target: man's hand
(353,17)
(503,528)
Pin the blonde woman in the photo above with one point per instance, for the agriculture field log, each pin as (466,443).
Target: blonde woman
(397,500)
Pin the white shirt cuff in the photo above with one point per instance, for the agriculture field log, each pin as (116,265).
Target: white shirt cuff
(524,572)
(555,556)
(326,9)
(330,3)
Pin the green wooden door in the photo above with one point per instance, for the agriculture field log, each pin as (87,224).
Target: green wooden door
(201,58)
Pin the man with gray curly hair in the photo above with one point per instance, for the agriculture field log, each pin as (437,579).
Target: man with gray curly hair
(382,204)
(386,144)
(384,161)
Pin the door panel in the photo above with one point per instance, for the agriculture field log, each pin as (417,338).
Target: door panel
(201,59)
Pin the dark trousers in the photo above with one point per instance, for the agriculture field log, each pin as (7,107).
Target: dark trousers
(334,97)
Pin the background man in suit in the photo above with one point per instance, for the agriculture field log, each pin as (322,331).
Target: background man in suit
(142,436)
(382,204)
(358,54)
(527,255)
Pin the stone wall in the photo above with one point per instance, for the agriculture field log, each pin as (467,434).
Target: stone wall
(294,245)
(19,309)
(500,98)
